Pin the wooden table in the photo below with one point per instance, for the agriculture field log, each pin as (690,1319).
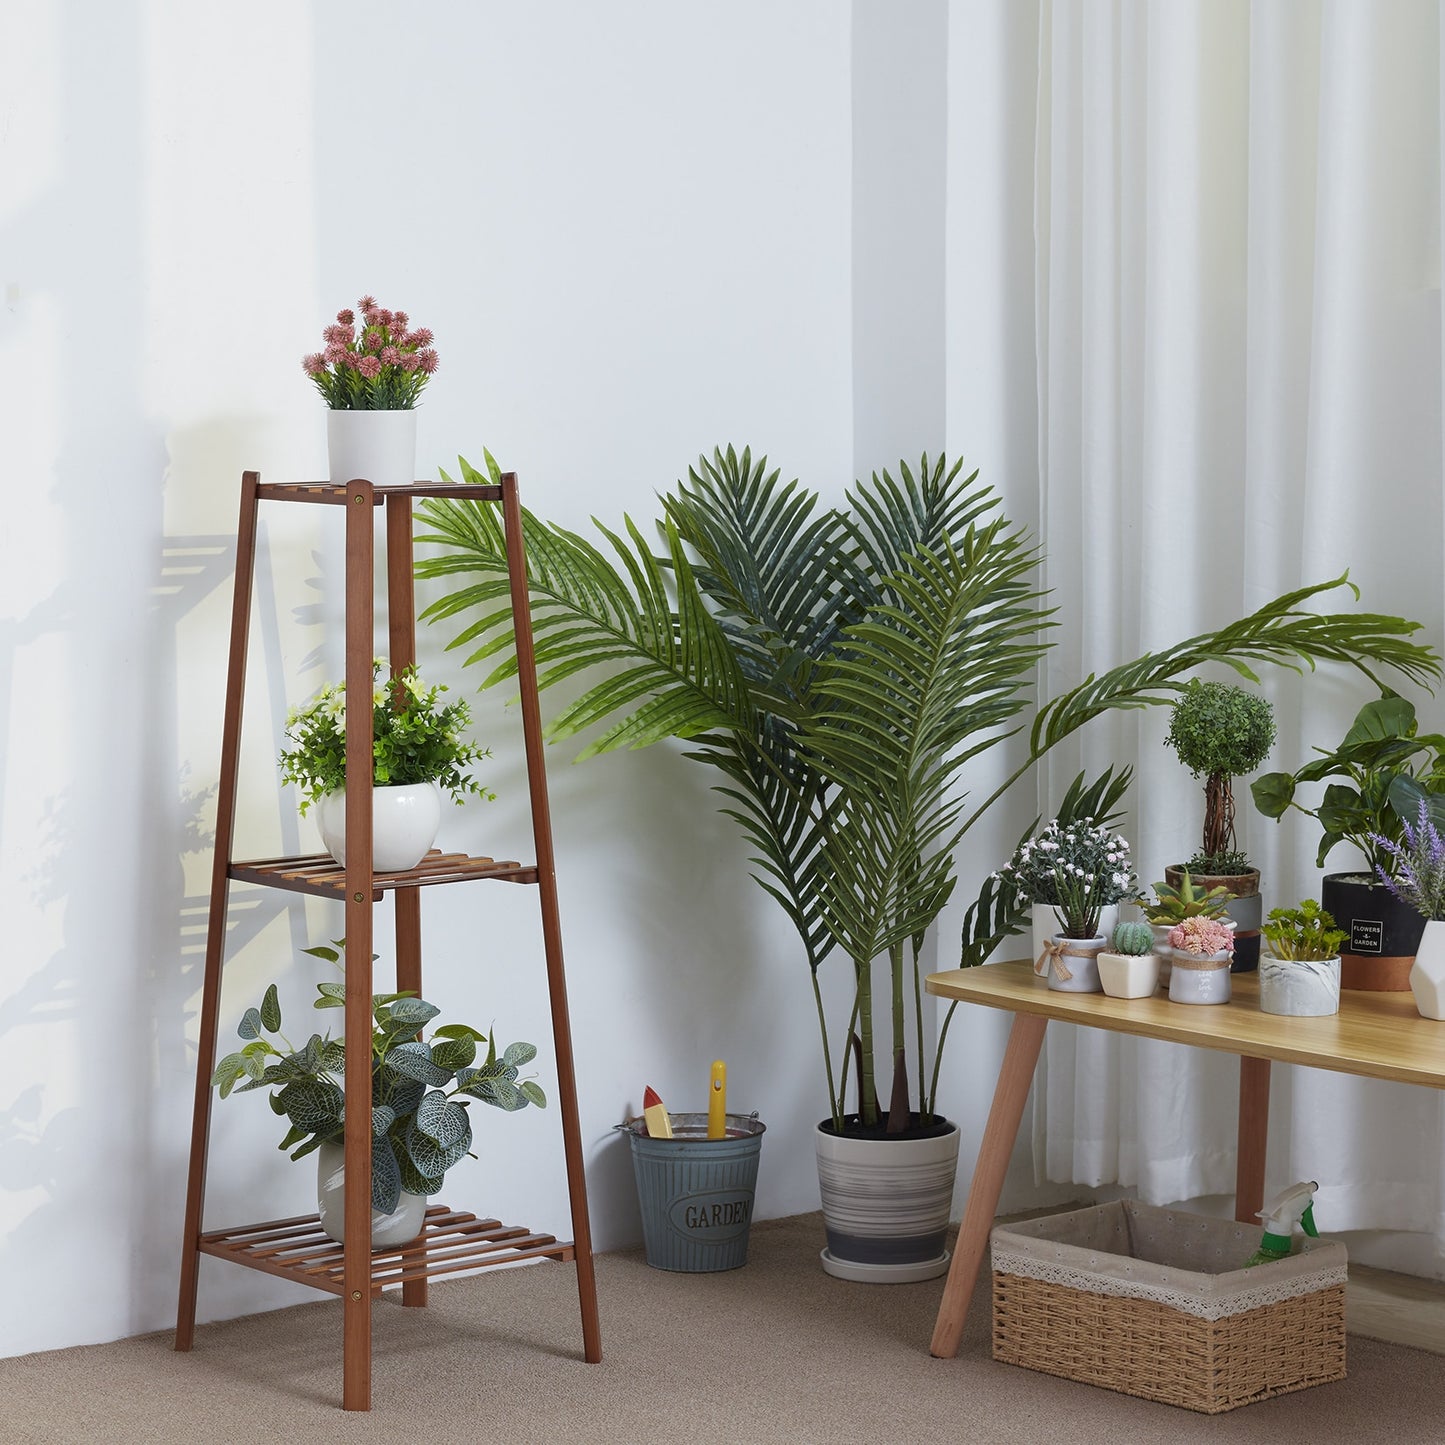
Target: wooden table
(1375,1035)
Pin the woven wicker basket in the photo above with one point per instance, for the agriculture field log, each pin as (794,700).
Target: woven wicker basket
(1153,1302)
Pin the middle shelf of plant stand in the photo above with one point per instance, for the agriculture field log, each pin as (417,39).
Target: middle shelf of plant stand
(451,1241)
(320,874)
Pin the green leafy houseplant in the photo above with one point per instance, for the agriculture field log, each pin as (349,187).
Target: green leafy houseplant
(420,1091)
(416,739)
(1189,900)
(840,668)
(1220,732)
(1375,780)
(1306,932)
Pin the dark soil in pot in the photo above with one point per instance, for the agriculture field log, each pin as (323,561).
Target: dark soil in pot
(853,1130)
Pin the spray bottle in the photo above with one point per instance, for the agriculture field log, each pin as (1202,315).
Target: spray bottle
(1295,1206)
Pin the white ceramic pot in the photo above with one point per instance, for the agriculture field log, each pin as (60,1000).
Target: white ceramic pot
(377,446)
(1299,987)
(404,824)
(401,1226)
(1163,951)
(1427,975)
(1197,978)
(1072,964)
(886,1204)
(1128,975)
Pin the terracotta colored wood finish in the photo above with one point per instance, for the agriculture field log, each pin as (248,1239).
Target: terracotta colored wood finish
(1374,1035)
(451,1242)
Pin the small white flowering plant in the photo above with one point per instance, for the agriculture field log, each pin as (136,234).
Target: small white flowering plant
(1078,867)
(416,738)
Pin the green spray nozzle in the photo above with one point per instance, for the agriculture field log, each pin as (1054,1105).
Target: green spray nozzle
(1294,1206)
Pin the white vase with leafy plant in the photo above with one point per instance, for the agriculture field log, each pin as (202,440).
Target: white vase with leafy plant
(371,375)
(421,1093)
(1078,868)
(1415,874)
(1299,969)
(418,754)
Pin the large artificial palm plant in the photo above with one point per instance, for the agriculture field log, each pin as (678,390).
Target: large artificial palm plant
(840,666)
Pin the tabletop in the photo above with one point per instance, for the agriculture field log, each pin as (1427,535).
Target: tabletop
(1374,1035)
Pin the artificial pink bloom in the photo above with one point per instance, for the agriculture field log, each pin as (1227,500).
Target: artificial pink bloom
(409,361)
(1202,936)
(370,318)
(390,356)
(336,355)
(399,320)
(338,335)
(347,317)
(383,317)
(427,361)
(373,337)
(369,367)
(420,337)
(315,364)
(367,303)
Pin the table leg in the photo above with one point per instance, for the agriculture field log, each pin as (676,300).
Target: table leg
(1253,1133)
(1015,1075)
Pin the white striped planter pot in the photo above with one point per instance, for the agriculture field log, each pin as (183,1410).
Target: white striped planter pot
(886,1204)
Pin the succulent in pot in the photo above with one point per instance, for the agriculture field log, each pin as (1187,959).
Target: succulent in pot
(1375,779)
(1202,948)
(1130,969)
(1299,971)
(418,753)
(420,1095)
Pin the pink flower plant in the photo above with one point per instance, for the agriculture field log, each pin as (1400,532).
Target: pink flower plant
(1202,936)
(384,368)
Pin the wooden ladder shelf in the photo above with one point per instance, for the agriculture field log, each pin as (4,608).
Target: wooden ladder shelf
(451,1241)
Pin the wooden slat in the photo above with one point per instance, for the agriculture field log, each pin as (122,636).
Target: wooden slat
(320,875)
(1374,1035)
(329,494)
(452,1242)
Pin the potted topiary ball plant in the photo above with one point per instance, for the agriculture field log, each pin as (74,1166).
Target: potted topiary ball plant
(1221,732)
(420,1094)
(1375,779)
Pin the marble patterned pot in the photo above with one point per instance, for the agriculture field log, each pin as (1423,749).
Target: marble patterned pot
(1299,987)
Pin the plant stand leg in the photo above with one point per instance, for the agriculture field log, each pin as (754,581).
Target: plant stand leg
(1025,1039)
(1253,1134)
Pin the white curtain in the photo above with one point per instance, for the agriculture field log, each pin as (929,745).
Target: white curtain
(1237,326)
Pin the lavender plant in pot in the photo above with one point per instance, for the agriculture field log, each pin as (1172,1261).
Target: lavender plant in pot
(371,375)
(1078,869)
(1414,871)
(1221,732)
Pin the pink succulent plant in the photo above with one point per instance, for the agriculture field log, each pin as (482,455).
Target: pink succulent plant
(1202,936)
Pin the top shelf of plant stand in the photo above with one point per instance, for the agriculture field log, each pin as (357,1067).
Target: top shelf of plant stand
(334,495)
(321,875)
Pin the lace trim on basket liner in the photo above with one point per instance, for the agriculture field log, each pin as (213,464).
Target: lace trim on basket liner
(1238,1302)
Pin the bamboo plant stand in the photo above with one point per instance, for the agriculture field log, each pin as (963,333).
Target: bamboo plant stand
(451,1241)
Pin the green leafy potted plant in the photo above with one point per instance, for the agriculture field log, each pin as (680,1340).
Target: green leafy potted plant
(1374,781)
(418,753)
(1221,732)
(1172,904)
(1299,970)
(841,668)
(420,1095)
(1079,869)
(371,374)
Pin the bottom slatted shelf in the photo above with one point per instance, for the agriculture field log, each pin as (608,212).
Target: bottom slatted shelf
(451,1241)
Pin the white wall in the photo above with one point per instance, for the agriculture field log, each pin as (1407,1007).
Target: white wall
(629,227)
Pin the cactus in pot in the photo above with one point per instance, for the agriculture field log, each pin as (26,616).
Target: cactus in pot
(1129,967)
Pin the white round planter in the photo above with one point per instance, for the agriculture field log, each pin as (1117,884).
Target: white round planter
(1128,975)
(401,1226)
(404,824)
(1072,964)
(1299,987)
(886,1204)
(376,446)
(1427,974)
(1197,978)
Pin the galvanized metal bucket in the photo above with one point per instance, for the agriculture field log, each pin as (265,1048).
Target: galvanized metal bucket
(696,1193)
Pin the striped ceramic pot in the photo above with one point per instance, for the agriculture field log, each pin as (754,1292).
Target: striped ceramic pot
(886,1203)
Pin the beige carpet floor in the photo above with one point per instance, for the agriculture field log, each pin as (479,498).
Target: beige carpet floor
(774,1352)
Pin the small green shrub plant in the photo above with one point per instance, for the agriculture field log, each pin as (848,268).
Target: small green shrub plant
(1305,932)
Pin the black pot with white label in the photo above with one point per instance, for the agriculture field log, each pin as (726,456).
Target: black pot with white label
(1381,933)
